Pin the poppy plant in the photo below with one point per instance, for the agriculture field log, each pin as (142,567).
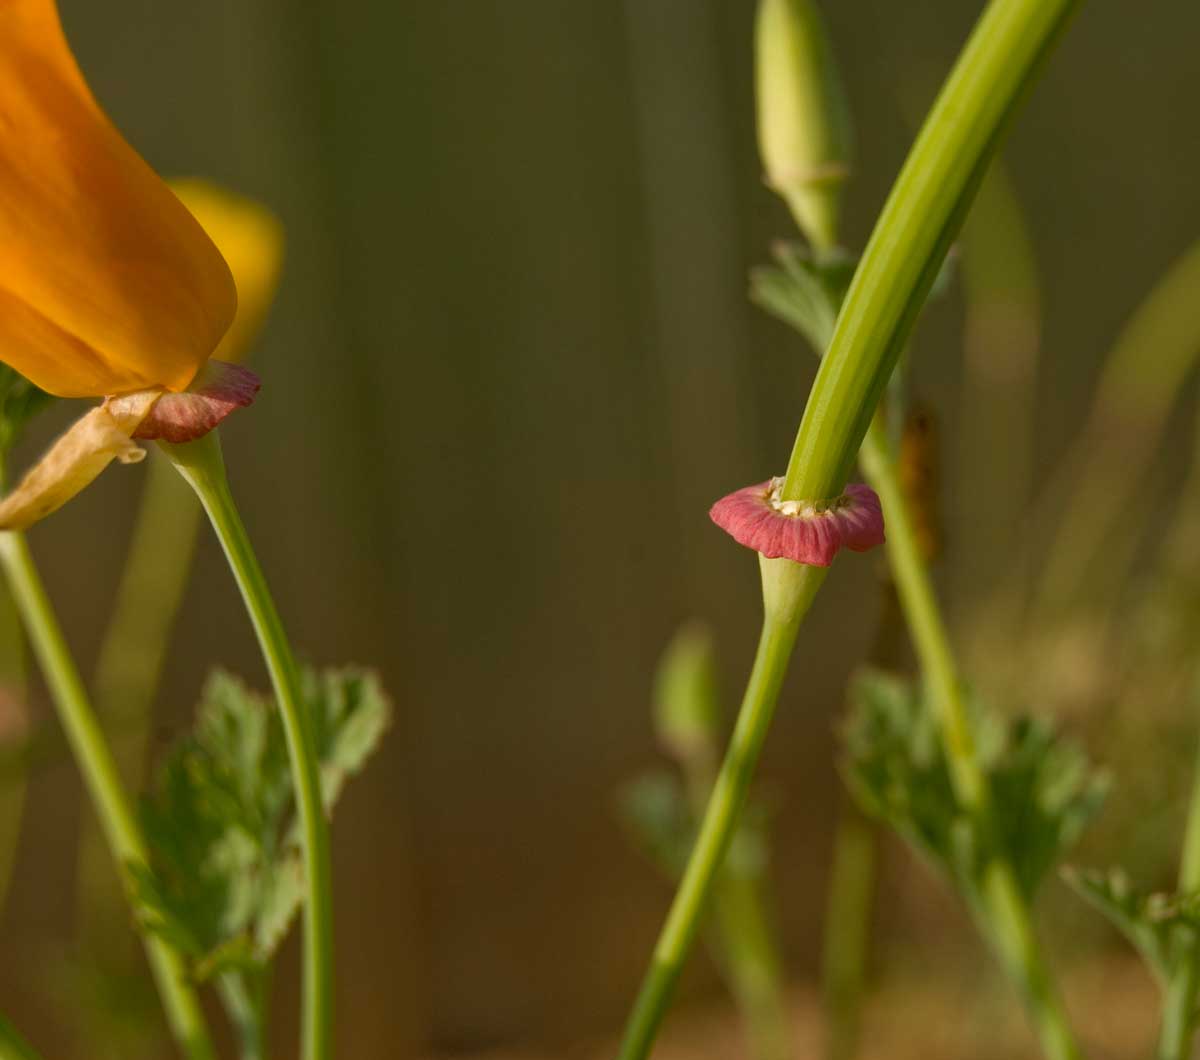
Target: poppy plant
(111,288)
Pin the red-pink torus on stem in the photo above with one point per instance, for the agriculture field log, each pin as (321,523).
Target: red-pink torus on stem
(802,531)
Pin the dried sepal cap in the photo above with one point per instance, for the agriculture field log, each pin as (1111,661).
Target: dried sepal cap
(107,433)
(802,531)
(217,391)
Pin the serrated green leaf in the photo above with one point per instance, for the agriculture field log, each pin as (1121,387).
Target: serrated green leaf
(1149,921)
(1043,793)
(351,714)
(807,292)
(802,291)
(227,876)
(655,810)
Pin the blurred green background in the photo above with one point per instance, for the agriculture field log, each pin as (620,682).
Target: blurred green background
(510,366)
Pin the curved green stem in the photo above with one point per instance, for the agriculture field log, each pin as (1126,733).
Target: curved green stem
(100,776)
(1004,914)
(745,941)
(201,464)
(847,925)
(131,659)
(246,1011)
(927,205)
(788,590)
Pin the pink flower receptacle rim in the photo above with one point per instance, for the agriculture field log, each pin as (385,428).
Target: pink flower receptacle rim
(803,531)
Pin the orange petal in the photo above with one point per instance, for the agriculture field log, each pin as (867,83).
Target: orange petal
(251,238)
(89,445)
(107,282)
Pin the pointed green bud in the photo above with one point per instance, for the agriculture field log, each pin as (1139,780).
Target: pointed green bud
(804,133)
(686,709)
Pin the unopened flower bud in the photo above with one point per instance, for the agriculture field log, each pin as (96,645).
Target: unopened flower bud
(686,712)
(804,131)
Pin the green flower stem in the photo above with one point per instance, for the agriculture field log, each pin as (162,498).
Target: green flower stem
(847,926)
(1004,913)
(131,661)
(1179,1005)
(12,1045)
(748,946)
(745,939)
(14,727)
(201,464)
(788,590)
(921,217)
(246,1009)
(1107,465)
(100,776)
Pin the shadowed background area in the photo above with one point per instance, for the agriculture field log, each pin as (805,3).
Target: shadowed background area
(510,366)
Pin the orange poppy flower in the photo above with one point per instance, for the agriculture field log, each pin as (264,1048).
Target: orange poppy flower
(109,287)
(107,283)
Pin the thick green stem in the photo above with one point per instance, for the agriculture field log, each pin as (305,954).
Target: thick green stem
(101,778)
(130,664)
(788,590)
(1005,915)
(927,205)
(201,464)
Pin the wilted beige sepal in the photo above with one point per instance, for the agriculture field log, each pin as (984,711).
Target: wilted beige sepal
(86,449)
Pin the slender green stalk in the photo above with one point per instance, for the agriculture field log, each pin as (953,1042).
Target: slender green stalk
(246,1009)
(100,776)
(748,944)
(1104,471)
(1005,915)
(12,1045)
(1001,345)
(14,728)
(1179,1007)
(131,662)
(847,922)
(745,939)
(201,464)
(920,219)
(786,605)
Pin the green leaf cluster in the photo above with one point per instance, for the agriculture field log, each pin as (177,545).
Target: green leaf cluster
(802,290)
(806,291)
(1043,791)
(1151,921)
(661,823)
(226,872)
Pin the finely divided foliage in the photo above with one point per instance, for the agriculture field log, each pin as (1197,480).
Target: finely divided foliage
(1045,792)
(226,875)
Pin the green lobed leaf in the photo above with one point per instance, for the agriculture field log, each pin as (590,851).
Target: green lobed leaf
(226,875)
(655,811)
(1043,791)
(806,292)
(1148,920)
